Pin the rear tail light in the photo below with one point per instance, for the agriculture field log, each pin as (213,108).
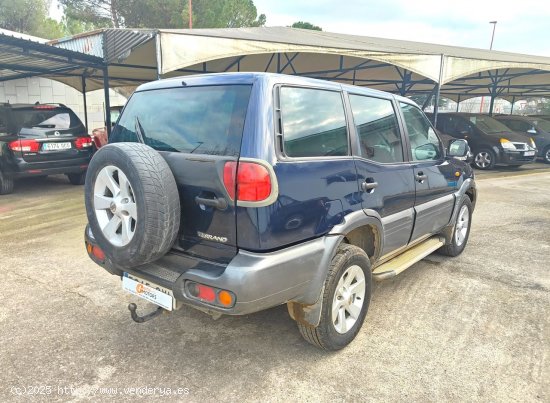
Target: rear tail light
(26,146)
(247,181)
(211,295)
(83,142)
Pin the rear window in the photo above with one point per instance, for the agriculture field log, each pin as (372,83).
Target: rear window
(199,120)
(55,118)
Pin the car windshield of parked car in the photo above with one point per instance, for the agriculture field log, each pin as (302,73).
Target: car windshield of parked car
(489,125)
(542,124)
(199,120)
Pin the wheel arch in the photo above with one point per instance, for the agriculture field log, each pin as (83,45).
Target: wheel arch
(358,229)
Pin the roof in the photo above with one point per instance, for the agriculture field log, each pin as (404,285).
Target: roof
(135,56)
(20,57)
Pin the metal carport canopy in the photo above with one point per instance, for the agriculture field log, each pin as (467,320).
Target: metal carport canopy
(20,58)
(387,64)
(404,67)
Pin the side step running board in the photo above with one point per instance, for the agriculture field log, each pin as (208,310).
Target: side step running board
(405,260)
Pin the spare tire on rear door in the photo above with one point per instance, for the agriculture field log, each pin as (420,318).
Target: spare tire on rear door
(132,203)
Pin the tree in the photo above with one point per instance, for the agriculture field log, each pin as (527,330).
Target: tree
(306,25)
(223,14)
(29,17)
(152,13)
(99,13)
(161,14)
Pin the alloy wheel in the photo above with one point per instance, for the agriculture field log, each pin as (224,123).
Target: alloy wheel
(348,300)
(115,205)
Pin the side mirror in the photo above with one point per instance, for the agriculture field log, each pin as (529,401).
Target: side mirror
(532,131)
(458,149)
(426,151)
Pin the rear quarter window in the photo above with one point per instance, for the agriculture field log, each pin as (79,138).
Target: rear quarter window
(313,122)
(200,120)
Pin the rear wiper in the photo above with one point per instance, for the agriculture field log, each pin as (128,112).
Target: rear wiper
(45,126)
(139,131)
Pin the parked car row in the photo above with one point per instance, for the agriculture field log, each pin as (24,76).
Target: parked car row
(501,140)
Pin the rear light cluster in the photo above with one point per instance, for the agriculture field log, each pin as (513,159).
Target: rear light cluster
(211,295)
(247,181)
(83,142)
(26,146)
(95,252)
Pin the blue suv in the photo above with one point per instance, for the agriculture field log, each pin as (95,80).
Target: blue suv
(237,192)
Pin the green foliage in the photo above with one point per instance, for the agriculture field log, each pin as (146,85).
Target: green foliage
(223,14)
(29,17)
(152,13)
(90,13)
(306,25)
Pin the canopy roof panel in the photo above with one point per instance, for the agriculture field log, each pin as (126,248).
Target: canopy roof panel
(21,57)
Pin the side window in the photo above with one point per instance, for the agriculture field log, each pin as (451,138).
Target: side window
(314,123)
(425,144)
(376,123)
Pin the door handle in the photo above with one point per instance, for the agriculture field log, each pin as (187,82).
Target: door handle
(420,177)
(220,204)
(369,186)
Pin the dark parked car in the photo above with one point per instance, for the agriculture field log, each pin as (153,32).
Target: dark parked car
(536,127)
(492,143)
(39,140)
(233,193)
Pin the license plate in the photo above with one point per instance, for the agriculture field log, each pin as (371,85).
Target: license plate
(56,146)
(529,153)
(151,292)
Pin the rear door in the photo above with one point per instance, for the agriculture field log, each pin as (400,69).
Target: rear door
(434,176)
(385,176)
(49,133)
(197,129)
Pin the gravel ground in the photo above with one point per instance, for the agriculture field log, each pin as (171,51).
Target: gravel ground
(472,328)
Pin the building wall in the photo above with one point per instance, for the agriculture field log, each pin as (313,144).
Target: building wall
(31,90)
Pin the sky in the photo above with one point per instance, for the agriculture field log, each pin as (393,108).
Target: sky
(522,26)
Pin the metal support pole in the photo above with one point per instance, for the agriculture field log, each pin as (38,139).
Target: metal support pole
(85,104)
(438,90)
(512,108)
(458,103)
(107,101)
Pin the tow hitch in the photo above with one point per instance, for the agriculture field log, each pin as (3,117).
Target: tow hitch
(140,319)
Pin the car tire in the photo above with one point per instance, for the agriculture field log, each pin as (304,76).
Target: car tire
(546,155)
(337,329)
(132,203)
(461,229)
(484,159)
(77,178)
(6,184)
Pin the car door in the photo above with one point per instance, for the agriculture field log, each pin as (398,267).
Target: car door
(434,176)
(384,174)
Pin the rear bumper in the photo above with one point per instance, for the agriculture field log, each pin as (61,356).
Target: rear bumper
(258,280)
(26,169)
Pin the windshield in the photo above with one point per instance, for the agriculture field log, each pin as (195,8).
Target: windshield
(200,120)
(55,118)
(488,125)
(542,124)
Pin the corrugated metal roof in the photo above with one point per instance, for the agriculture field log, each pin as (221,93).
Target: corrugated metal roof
(21,58)
(112,45)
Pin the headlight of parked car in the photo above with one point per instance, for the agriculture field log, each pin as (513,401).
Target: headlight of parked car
(507,144)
